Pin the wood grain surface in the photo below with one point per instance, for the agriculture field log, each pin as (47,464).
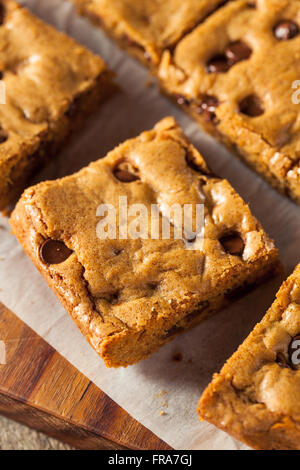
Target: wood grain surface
(41,389)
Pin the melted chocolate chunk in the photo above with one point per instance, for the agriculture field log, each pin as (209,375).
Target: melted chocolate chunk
(207,107)
(251,106)
(2,13)
(182,100)
(218,64)
(54,252)
(285,30)
(3,136)
(237,51)
(282,361)
(125,172)
(125,176)
(233,244)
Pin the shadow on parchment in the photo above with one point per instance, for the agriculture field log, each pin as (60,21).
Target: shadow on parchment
(205,349)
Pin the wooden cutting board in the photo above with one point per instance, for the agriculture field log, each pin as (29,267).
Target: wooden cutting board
(41,389)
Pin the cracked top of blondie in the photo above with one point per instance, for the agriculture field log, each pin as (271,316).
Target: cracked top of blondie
(42,71)
(256,396)
(245,58)
(114,284)
(153,25)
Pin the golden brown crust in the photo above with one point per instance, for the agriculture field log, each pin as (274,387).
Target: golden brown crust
(268,141)
(131,296)
(178,39)
(51,84)
(147,27)
(256,395)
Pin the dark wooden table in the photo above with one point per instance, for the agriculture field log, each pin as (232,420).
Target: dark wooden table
(41,389)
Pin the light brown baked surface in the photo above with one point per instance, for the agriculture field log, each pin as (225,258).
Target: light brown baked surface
(177,40)
(256,396)
(147,27)
(51,83)
(269,142)
(129,297)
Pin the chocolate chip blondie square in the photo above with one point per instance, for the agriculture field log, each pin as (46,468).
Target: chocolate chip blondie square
(237,74)
(146,27)
(50,83)
(131,295)
(256,396)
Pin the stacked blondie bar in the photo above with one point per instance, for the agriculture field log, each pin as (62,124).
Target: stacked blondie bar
(233,65)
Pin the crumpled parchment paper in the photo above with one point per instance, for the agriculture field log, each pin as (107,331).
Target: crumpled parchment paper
(158,384)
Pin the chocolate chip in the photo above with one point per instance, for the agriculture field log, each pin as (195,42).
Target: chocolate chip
(293,347)
(182,100)
(237,51)
(207,107)
(233,244)
(152,285)
(217,64)
(282,361)
(1,75)
(117,251)
(114,297)
(3,136)
(125,172)
(251,106)
(2,13)
(125,176)
(285,30)
(54,252)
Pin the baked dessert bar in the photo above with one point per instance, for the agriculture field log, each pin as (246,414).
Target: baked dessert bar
(256,396)
(146,27)
(131,296)
(51,84)
(233,65)
(237,74)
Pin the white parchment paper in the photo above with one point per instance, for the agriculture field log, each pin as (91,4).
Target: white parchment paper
(157,384)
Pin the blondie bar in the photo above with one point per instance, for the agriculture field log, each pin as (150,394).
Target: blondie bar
(50,83)
(237,73)
(256,396)
(146,27)
(131,295)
